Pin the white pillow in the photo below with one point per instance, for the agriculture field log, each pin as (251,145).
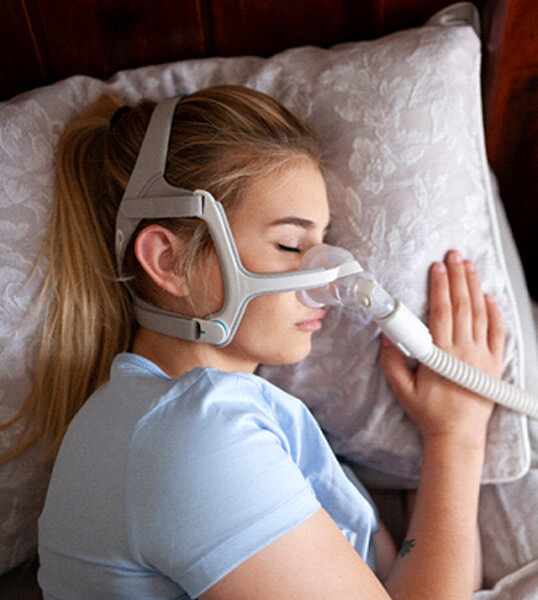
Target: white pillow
(401,119)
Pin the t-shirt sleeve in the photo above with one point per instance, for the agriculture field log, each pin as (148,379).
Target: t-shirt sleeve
(210,484)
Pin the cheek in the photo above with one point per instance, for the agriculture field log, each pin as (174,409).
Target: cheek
(273,311)
(208,287)
(267,332)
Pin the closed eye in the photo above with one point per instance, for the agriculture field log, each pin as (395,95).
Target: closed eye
(288,248)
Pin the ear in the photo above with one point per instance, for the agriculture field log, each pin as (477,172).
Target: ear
(159,252)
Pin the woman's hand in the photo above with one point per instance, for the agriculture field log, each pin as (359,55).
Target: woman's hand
(465,324)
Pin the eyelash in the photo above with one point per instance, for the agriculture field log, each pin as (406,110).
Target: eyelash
(288,248)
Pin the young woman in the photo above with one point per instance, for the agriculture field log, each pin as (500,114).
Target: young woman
(185,475)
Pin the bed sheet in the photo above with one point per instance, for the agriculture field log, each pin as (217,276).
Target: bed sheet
(509,528)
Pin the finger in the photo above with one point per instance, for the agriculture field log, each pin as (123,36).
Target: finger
(399,376)
(440,317)
(496,335)
(478,302)
(459,296)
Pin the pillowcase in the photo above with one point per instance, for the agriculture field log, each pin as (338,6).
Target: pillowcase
(401,120)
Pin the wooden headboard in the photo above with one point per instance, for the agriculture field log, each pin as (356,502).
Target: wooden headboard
(42,41)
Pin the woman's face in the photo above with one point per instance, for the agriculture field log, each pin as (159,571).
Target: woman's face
(279,219)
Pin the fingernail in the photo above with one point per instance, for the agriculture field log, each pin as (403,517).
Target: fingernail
(456,256)
(439,267)
(470,266)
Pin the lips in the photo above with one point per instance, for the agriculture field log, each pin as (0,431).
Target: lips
(313,322)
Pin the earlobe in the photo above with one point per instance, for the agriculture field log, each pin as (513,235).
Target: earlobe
(158,251)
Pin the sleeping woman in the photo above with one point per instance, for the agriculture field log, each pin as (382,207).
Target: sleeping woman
(184,474)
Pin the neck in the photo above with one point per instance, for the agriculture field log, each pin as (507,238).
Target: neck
(175,356)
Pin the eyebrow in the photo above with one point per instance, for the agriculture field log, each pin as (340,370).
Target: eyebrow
(299,222)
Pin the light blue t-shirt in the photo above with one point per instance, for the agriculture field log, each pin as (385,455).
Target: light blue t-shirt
(162,486)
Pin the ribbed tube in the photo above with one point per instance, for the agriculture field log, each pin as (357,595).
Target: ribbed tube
(481,383)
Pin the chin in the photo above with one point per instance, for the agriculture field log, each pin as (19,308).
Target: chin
(291,356)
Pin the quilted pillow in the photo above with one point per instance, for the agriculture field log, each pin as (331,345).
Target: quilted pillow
(401,120)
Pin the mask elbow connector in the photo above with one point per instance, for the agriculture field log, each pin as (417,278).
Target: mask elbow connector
(368,293)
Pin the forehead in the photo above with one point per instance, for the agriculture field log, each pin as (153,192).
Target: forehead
(292,194)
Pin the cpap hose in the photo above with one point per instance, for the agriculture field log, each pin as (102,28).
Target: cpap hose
(406,330)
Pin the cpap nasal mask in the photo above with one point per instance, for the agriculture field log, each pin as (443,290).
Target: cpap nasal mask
(328,275)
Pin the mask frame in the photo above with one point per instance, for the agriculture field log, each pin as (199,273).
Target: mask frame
(148,195)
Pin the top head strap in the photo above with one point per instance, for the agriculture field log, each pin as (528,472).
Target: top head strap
(148,195)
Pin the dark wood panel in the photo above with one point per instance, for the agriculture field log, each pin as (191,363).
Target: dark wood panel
(263,28)
(100,37)
(20,64)
(511,115)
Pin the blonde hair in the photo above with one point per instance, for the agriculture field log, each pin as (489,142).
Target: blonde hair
(222,140)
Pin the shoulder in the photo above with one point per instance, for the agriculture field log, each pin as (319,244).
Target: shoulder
(207,405)
(245,391)
(135,373)
(213,464)
(203,390)
(218,418)
(213,425)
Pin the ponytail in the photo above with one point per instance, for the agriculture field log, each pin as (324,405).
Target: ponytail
(88,320)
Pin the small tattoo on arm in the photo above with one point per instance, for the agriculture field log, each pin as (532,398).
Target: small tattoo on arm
(407,546)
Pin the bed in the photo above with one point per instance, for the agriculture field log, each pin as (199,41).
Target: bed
(43,42)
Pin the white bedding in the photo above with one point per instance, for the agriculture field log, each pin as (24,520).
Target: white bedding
(508,518)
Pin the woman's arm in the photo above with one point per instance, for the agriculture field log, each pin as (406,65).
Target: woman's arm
(437,558)
(314,561)
(411,499)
